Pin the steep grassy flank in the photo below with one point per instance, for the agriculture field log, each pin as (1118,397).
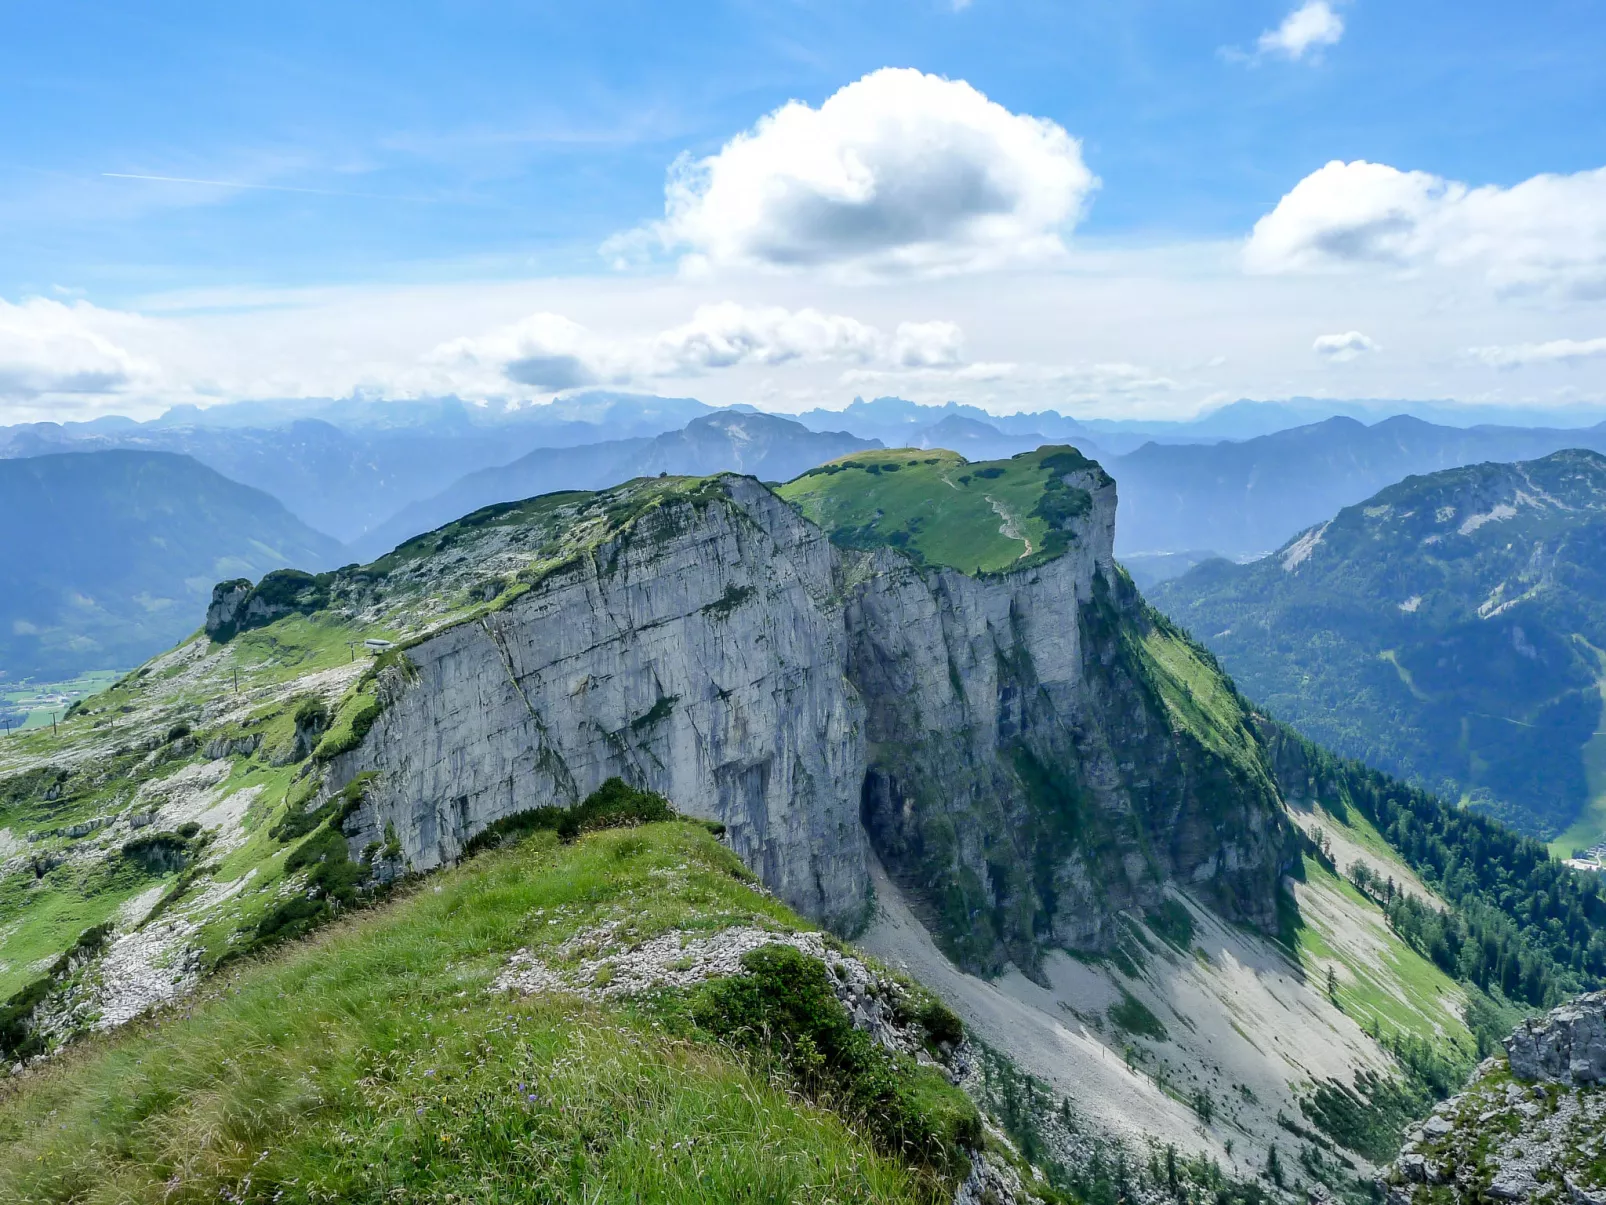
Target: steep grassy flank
(1387,987)
(374,1064)
(1199,697)
(1520,926)
(942,510)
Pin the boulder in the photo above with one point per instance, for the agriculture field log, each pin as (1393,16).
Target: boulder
(1565,1046)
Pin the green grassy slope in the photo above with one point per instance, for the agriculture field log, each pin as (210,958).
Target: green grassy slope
(940,509)
(375,1063)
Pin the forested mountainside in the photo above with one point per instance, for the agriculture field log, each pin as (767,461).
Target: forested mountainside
(1245,498)
(971,744)
(1449,630)
(109,557)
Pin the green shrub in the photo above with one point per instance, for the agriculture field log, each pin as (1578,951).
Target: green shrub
(297,821)
(1134,1017)
(615,804)
(158,853)
(17,1041)
(783,1006)
(356,716)
(941,1023)
(1173,922)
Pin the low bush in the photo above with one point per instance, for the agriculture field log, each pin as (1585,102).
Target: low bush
(942,1025)
(1134,1017)
(159,853)
(783,1006)
(615,804)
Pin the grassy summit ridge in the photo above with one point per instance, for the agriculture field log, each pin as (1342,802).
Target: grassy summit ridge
(939,509)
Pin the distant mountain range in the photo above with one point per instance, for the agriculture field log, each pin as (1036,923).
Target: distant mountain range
(1246,498)
(370,473)
(108,557)
(1450,629)
(770,448)
(344,467)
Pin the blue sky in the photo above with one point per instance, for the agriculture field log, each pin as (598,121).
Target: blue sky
(425,161)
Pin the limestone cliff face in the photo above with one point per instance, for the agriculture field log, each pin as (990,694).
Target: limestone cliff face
(995,740)
(699,654)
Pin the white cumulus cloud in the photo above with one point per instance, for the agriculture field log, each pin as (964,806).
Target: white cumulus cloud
(898,172)
(1340,348)
(927,345)
(1545,233)
(547,353)
(1554,351)
(48,348)
(1308,28)
(727,334)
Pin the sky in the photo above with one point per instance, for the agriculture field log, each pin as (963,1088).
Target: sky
(1108,207)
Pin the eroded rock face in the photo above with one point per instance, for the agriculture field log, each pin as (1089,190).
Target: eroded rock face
(991,738)
(1566,1046)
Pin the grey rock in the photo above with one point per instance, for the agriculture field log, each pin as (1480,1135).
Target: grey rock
(1513,1184)
(1566,1046)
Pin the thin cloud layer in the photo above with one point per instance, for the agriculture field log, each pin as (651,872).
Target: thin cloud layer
(1554,351)
(900,172)
(1547,233)
(1306,30)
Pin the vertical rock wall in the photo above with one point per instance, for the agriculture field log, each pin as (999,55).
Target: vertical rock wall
(699,654)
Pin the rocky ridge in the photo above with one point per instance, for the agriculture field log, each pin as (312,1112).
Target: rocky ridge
(1530,1127)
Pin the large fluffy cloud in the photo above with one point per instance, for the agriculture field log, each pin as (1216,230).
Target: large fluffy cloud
(1305,30)
(1548,232)
(547,353)
(50,349)
(897,172)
